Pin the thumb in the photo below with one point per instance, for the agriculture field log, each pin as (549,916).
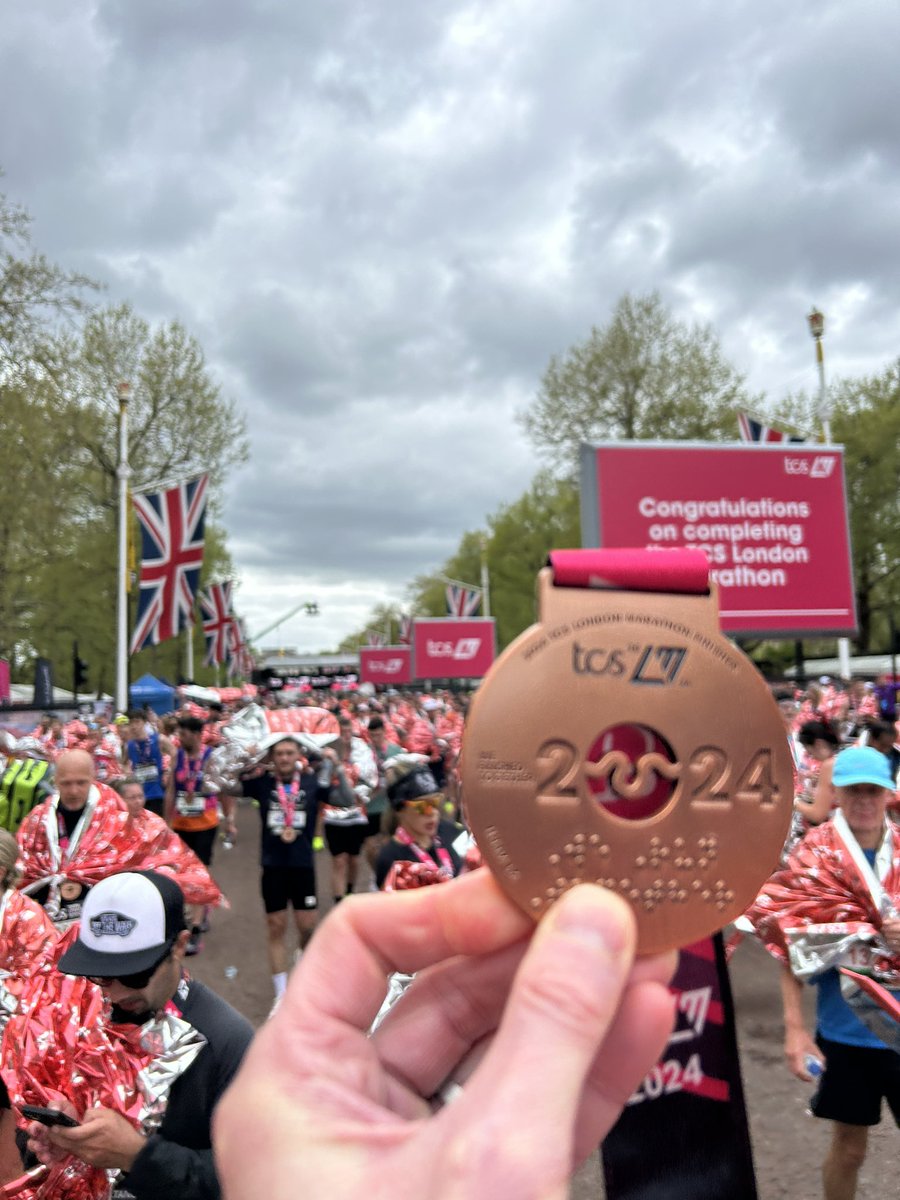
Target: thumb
(562,1003)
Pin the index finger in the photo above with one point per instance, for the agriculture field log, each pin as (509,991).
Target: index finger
(369,937)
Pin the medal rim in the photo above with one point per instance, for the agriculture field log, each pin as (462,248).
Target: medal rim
(527,874)
(69,889)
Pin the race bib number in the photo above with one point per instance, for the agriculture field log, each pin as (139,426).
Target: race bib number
(275,819)
(187,805)
(146,773)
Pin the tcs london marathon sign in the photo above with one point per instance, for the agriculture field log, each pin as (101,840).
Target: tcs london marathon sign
(772,520)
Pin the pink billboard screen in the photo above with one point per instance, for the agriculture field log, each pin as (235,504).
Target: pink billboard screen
(771,519)
(453,648)
(390,665)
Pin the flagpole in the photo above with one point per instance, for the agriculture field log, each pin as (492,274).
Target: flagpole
(123,473)
(485,581)
(189,652)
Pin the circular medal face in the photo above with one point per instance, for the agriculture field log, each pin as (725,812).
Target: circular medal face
(69,889)
(289,835)
(630,748)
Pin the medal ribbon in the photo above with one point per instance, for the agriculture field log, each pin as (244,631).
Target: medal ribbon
(676,571)
(63,848)
(446,862)
(286,798)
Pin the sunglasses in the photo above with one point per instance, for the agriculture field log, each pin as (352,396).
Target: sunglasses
(134,982)
(423,807)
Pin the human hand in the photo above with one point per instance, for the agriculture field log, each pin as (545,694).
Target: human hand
(104,1139)
(798,1046)
(566,1021)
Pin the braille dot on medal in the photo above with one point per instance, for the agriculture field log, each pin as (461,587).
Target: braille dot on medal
(720,904)
(579,860)
(706,894)
(696,885)
(535,902)
(579,837)
(604,851)
(702,863)
(594,839)
(711,853)
(640,861)
(679,842)
(729,896)
(625,884)
(679,862)
(649,905)
(554,859)
(713,840)
(688,863)
(682,895)
(655,841)
(550,893)
(648,893)
(634,894)
(560,882)
(720,884)
(664,852)
(569,848)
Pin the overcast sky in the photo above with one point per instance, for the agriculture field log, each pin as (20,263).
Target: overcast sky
(381,218)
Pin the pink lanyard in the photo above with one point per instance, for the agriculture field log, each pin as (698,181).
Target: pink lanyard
(286,798)
(444,858)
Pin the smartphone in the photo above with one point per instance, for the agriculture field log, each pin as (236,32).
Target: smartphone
(48,1116)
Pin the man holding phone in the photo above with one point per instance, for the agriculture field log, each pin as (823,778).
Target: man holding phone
(131,943)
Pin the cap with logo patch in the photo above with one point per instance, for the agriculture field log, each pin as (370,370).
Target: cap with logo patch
(127,923)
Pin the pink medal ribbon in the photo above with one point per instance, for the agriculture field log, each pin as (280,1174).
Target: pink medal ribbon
(286,798)
(446,862)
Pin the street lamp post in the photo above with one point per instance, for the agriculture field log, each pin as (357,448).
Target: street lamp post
(123,473)
(817,328)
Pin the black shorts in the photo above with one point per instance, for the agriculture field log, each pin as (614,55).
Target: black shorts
(284,885)
(346,839)
(375,820)
(856,1080)
(201,841)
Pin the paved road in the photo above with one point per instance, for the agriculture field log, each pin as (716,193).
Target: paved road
(789,1146)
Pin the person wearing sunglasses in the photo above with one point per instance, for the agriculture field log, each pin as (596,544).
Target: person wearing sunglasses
(420,834)
(131,943)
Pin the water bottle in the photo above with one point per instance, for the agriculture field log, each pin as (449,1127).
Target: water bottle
(813,1066)
(231,972)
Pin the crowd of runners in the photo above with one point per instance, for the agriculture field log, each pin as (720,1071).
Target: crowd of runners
(109,838)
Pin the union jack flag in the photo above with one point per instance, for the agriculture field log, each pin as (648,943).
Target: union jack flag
(373,638)
(218,622)
(405,637)
(241,661)
(755,431)
(172,527)
(462,601)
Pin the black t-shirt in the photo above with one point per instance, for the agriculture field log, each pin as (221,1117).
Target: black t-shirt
(178,1161)
(394,851)
(275,852)
(69,906)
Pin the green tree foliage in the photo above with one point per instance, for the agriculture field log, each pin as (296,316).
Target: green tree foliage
(60,366)
(383,619)
(34,294)
(866,420)
(644,375)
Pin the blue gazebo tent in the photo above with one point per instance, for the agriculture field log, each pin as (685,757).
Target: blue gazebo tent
(149,690)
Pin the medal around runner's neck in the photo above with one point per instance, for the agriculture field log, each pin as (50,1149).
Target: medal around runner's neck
(623,741)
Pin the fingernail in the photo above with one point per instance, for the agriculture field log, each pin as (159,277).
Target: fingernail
(594,916)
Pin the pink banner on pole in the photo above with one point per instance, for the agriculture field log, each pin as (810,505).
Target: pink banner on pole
(453,648)
(390,665)
(4,680)
(772,521)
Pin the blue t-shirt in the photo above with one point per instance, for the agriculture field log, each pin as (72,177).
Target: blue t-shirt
(835,1019)
(145,757)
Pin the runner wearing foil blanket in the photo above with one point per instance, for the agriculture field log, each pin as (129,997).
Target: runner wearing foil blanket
(420,835)
(289,793)
(131,942)
(835,903)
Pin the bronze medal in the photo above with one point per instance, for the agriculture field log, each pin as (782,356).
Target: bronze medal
(69,889)
(623,741)
(288,835)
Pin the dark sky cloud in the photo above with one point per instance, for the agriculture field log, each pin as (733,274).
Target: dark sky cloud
(382,220)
